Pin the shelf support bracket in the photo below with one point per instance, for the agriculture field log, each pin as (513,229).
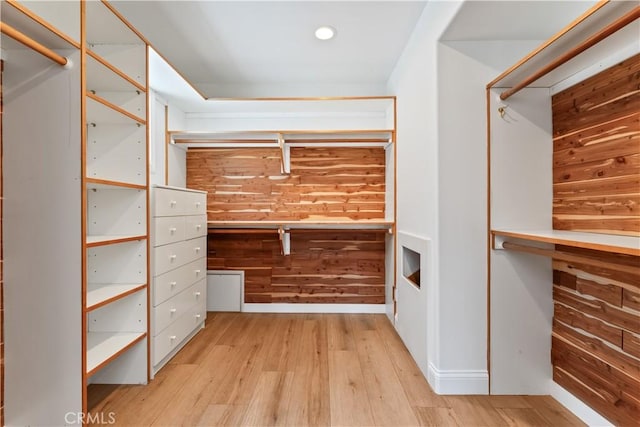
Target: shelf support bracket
(285,155)
(285,241)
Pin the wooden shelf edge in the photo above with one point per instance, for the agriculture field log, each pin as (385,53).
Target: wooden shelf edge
(117,71)
(132,290)
(111,183)
(544,237)
(112,240)
(115,108)
(139,336)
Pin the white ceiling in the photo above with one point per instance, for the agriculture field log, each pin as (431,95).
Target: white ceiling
(245,49)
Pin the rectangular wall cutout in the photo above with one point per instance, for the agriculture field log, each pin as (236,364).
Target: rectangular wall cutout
(411,266)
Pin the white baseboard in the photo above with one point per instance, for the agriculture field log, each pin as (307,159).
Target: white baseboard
(313,308)
(458,382)
(578,407)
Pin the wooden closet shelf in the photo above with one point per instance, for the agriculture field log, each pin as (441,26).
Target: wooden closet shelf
(257,226)
(628,245)
(96,183)
(99,294)
(103,347)
(96,240)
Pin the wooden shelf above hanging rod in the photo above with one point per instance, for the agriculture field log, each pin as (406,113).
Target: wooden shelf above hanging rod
(32,44)
(608,24)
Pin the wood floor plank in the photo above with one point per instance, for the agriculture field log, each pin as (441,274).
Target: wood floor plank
(339,332)
(436,417)
(310,396)
(553,412)
(521,417)
(222,415)
(270,400)
(349,401)
(282,353)
(388,400)
(475,411)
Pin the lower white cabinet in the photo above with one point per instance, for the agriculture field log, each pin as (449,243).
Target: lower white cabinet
(179,266)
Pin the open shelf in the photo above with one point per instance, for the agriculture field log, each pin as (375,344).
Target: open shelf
(628,245)
(103,347)
(103,76)
(99,294)
(101,111)
(302,225)
(364,138)
(105,184)
(101,240)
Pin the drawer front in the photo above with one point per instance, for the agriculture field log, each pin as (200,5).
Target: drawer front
(168,229)
(170,202)
(195,226)
(174,255)
(175,281)
(195,204)
(169,338)
(172,309)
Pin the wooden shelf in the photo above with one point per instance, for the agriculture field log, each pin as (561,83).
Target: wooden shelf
(302,225)
(365,138)
(97,240)
(103,76)
(628,245)
(103,347)
(101,111)
(105,184)
(99,294)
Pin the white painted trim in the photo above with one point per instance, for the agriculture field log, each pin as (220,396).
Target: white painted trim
(577,407)
(313,308)
(458,381)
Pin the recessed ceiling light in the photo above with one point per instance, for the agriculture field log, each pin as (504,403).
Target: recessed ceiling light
(325,32)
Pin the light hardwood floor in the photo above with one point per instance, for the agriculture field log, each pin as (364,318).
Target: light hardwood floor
(306,370)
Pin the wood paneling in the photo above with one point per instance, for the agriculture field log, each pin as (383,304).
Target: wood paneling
(595,347)
(596,157)
(323,267)
(325,183)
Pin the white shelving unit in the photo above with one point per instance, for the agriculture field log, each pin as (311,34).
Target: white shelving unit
(116,197)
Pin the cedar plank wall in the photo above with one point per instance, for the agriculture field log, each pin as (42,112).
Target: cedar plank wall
(324,184)
(595,347)
(596,152)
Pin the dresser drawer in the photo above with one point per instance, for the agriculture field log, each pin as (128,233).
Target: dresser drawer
(195,226)
(169,229)
(175,281)
(172,309)
(175,333)
(195,203)
(174,255)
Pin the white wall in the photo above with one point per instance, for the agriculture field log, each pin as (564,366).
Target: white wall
(442,196)
(414,82)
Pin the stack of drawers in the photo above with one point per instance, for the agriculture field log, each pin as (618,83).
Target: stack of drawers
(179,266)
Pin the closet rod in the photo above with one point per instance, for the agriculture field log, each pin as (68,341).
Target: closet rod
(594,39)
(32,44)
(569,257)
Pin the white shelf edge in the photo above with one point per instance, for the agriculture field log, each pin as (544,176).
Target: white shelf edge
(99,293)
(302,225)
(629,245)
(104,346)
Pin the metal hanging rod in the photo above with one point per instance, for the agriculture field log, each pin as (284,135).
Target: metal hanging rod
(32,44)
(569,257)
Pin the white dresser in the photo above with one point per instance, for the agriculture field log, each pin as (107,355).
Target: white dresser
(179,266)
